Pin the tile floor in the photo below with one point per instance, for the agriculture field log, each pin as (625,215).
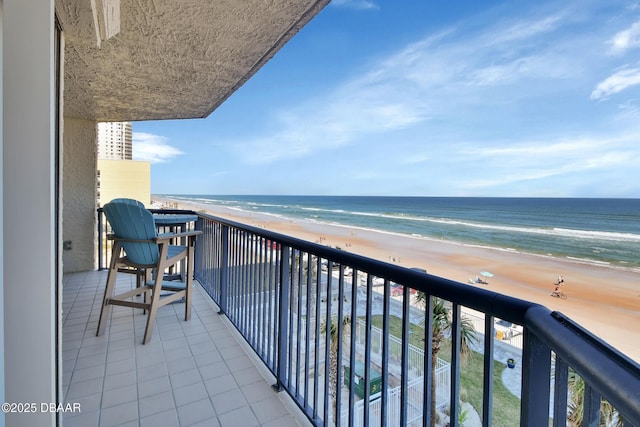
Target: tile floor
(195,373)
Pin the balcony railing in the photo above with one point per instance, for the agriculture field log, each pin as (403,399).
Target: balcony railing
(350,353)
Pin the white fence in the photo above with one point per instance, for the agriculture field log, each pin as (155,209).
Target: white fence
(414,402)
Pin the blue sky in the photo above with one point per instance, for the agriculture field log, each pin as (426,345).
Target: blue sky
(417,98)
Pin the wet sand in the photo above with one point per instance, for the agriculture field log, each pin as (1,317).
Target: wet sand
(603,299)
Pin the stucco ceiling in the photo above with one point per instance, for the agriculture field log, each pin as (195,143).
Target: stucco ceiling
(168,59)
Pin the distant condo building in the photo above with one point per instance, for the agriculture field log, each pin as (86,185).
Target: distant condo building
(114,141)
(119,175)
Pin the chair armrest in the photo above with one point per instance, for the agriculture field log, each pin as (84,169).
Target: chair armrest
(120,239)
(168,236)
(161,238)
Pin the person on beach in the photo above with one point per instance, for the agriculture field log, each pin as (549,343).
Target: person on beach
(560,280)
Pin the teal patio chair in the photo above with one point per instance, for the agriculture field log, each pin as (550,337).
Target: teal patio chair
(137,246)
(141,273)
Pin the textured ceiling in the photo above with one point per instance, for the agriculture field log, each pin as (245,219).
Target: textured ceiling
(168,59)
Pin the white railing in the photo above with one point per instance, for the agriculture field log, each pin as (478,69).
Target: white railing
(394,406)
(415,359)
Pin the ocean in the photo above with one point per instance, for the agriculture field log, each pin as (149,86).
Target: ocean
(595,231)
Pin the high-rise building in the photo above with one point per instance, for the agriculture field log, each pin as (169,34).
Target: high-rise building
(117,175)
(114,141)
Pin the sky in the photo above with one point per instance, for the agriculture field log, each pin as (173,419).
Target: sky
(425,98)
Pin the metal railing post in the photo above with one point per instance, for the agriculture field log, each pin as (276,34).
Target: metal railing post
(487,383)
(561,379)
(283,317)
(456,345)
(428,361)
(224,269)
(199,248)
(536,379)
(404,356)
(591,407)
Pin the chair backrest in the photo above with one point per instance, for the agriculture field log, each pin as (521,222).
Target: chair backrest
(129,201)
(130,220)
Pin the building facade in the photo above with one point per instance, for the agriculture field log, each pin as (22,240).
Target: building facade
(115,141)
(123,178)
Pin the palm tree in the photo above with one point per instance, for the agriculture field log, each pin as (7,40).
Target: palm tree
(608,414)
(311,281)
(441,323)
(334,369)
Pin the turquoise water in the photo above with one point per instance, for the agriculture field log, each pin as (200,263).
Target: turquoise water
(599,231)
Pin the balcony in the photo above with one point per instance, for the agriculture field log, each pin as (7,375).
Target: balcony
(191,373)
(332,336)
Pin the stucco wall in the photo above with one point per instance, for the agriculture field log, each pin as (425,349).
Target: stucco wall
(79,195)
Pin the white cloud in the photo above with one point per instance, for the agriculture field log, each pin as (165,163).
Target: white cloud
(630,110)
(355,4)
(617,82)
(152,148)
(540,159)
(364,106)
(505,73)
(537,163)
(449,86)
(626,39)
(526,29)
(417,158)
(424,78)
(527,149)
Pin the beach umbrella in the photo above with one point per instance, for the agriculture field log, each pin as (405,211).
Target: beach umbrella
(486,274)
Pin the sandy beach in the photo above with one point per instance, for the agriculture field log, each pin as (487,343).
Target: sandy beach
(603,299)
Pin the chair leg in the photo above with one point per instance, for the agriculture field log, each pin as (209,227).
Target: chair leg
(155,295)
(153,309)
(108,289)
(144,276)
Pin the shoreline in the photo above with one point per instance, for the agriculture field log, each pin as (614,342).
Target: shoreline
(581,261)
(605,299)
